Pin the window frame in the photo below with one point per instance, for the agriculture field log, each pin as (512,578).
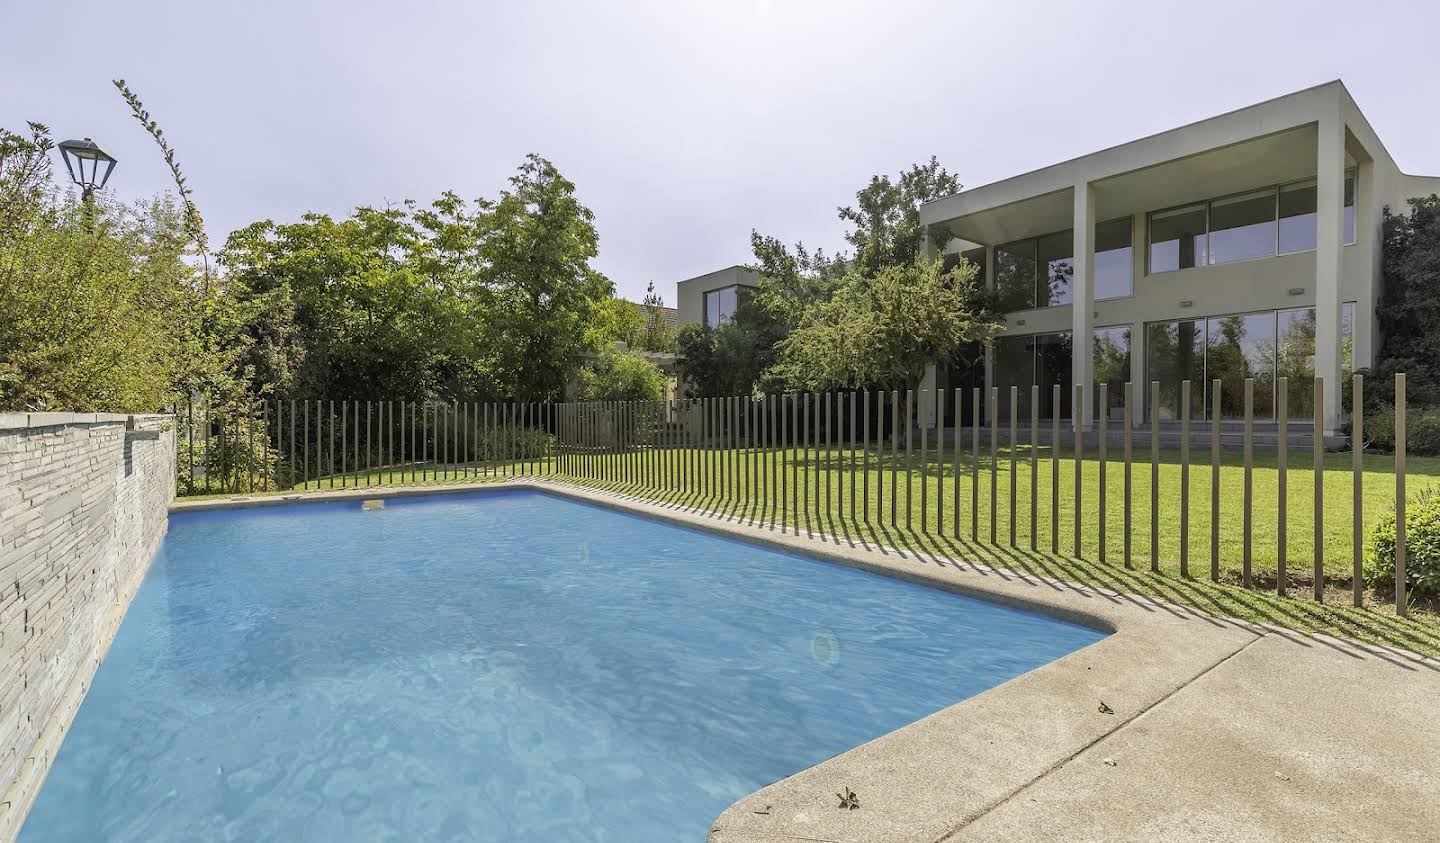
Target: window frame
(705,305)
(1351,173)
(1040,272)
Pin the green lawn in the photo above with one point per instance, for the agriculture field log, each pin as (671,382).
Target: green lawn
(823,487)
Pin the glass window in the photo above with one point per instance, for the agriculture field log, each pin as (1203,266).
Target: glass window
(1111,356)
(1295,359)
(1024,362)
(1015,275)
(977,257)
(1174,353)
(1349,208)
(1053,356)
(1242,227)
(1057,269)
(1297,217)
(1177,238)
(1014,366)
(720,306)
(1113,259)
(1239,347)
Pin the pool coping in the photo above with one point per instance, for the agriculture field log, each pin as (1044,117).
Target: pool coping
(927,780)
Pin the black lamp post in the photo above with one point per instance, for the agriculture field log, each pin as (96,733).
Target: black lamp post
(85,170)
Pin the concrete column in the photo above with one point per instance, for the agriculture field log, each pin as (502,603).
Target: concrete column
(1329,240)
(1082,312)
(989,349)
(1368,213)
(1139,247)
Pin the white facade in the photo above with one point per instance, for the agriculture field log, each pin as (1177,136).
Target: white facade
(1204,265)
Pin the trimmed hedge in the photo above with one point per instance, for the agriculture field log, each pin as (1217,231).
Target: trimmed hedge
(1422,430)
(1422,548)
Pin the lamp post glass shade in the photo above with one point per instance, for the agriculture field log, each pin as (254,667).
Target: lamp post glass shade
(83,159)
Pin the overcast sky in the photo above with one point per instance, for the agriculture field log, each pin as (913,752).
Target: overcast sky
(684,125)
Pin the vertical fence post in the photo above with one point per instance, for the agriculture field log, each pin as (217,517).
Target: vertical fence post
(1282,466)
(1248,519)
(955,474)
(1102,406)
(1055,452)
(994,457)
(1185,478)
(1155,476)
(1014,412)
(1402,607)
(1077,416)
(894,454)
(1318,445)
(976,423)
(1215,481)
(909,450)
(851,457)
(1034,465)
(939,459)
(924,458)
(865,459)
(1357,501)
(1128,420)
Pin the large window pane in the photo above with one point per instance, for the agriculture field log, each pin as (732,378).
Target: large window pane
(1014,366)
(1242,227)
(1349,208)
(1114,261)
(720,306)
(1297,216)
(1111,356)
(1053,356)
(977,257)
(1015,275)
(1177,238)
(1240,347)
(1295,359)
(1057,269)
(1175,353)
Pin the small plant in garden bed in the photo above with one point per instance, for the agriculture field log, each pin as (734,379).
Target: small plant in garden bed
(1422,549)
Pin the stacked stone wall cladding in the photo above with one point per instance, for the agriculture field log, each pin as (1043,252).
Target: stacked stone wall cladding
(84,504)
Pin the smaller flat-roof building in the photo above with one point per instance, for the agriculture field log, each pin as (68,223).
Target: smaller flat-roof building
(711,298)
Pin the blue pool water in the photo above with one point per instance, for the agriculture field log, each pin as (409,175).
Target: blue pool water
(507,667)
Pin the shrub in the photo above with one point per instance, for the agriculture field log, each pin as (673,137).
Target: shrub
(1422,548)
(621,376)
(510,443)
(1422,430)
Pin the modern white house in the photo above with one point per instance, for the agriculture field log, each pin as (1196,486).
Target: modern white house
(713,297)
(1244,245)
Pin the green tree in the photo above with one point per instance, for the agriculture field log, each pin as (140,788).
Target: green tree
(621,376)
(1409,308)
(98,310)
(656,333)
(886,216)
(882,330)
(536,291)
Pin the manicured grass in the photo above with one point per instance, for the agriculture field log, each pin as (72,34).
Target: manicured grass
(824,507)
(817,499)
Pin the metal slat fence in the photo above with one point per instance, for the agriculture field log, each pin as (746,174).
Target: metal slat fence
(830,464)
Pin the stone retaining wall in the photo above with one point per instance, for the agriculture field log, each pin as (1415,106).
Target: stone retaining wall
(83,507)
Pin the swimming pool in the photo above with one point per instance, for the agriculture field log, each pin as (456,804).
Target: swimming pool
(505,666)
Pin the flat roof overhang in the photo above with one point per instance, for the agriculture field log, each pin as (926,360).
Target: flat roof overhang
(1284,156)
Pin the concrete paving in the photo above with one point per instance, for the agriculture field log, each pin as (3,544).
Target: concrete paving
(1177,726)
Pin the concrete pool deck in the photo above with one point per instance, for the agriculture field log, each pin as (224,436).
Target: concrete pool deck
(1177,726)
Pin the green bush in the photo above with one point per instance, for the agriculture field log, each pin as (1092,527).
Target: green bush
(510,443)
(621,376)
(1422,430)
(1422,548)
